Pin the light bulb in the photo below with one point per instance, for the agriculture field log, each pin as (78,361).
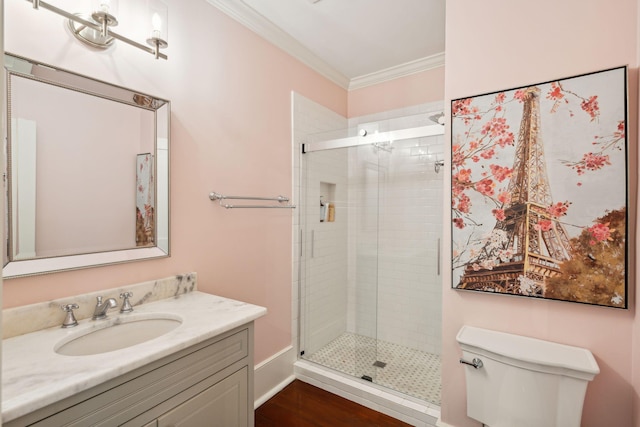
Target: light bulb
(156,24)
(105,5)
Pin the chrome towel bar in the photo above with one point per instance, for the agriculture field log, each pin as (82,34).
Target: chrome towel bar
(280,199)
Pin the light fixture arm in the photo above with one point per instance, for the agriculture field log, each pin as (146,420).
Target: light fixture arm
(157,44)
(98,27)
(104,30)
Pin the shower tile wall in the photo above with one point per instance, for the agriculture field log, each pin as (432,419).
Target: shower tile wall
(310,118)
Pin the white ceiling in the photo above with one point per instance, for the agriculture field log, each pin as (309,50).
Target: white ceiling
(353,42)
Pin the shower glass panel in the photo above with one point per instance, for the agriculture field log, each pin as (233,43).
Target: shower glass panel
(370,279)
(334,254)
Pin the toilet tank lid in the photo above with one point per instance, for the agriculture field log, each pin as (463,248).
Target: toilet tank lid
(531,350)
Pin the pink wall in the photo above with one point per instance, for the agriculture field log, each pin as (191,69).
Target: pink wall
(230,132)
(493,45)
(413,89)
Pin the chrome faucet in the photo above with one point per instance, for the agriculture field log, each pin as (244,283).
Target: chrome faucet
(69,320)
(100,311)
(126,305)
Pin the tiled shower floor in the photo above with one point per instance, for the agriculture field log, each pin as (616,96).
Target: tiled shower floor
(408,371)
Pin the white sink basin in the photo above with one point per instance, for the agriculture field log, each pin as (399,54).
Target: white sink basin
(124,332)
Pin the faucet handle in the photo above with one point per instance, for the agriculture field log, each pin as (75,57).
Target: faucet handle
(126,305)
(69,320)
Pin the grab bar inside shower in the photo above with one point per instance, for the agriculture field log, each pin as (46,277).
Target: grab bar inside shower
(280,199)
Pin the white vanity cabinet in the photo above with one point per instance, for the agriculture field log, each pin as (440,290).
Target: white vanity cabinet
(207,384)
(220,405)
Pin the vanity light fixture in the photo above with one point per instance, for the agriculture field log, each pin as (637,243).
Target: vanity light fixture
(95,29)
(158,30)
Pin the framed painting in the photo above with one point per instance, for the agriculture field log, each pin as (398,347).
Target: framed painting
(539,190)
(145,200)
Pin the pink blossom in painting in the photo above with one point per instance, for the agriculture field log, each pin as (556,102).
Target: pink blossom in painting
(463,175)
(487,154)
(543,225)
(504,198)
(485,187)
(495,127)
(555,93)
(590,106)
(620,132)
(498,214)
(501,172)
(464,203)
(461,107)
(558,209)
(600,232)
(593,162)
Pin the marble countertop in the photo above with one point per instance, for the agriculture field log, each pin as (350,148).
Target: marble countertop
(34,375)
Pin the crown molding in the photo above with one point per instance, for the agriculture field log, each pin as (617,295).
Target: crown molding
(247,16)
(257,23)
(402,70)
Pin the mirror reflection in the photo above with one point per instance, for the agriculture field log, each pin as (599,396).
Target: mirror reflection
(87,169)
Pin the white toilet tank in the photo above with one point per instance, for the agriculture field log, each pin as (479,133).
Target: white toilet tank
(524,382)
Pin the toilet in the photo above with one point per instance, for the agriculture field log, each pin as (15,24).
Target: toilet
(516,381)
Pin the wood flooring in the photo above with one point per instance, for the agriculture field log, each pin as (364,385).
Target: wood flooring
(301,404)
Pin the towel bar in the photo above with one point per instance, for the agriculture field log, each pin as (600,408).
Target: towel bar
(280,199)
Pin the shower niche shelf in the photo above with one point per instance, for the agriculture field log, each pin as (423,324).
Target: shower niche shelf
(327,204)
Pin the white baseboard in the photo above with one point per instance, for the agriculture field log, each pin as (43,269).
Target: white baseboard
(439,423)
(273,374)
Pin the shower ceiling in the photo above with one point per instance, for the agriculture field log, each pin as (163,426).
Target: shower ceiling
(356,38)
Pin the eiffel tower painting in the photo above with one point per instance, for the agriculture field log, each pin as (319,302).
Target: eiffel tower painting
(536,252)
(533,249)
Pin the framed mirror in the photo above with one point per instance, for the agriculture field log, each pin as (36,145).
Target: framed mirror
(87,172)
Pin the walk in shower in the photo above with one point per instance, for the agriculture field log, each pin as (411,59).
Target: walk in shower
(370,226)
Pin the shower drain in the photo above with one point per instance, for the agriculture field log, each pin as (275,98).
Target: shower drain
(379,364)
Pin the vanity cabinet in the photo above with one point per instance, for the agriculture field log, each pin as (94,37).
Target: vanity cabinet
(208,384)
(219,405)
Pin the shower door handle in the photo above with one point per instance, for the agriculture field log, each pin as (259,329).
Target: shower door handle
(301,243)
(438,259)
(313,243)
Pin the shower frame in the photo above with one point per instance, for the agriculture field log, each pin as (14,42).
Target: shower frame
(374,138)
(364,139)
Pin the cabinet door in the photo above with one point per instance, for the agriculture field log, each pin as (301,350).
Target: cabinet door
(221,405)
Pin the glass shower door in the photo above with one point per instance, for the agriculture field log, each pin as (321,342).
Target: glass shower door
(364,176)
(371,225)
(339,261)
